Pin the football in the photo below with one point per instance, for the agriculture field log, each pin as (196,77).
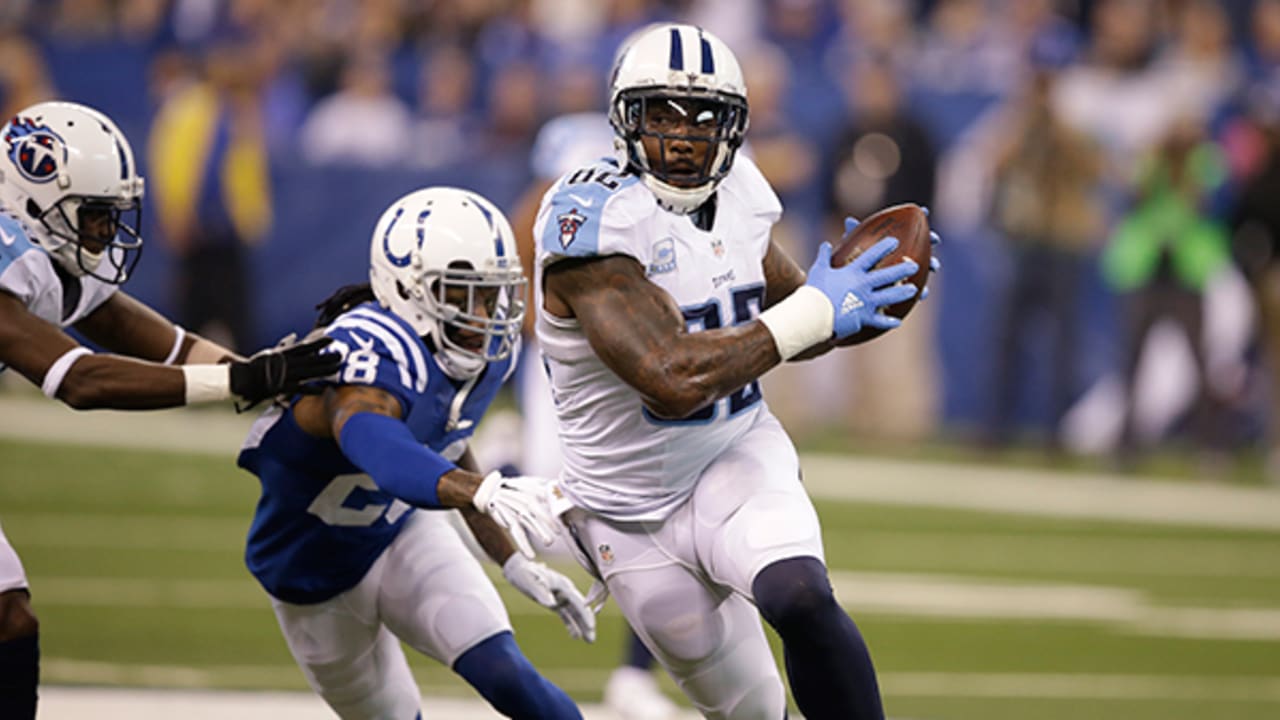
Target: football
(907,222)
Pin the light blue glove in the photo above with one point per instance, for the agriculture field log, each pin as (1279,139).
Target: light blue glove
(934,240)
(857,292)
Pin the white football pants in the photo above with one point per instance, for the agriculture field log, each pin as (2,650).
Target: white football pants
(685,583)
(426,589)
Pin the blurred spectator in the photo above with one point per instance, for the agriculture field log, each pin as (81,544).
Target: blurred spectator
(787,158)
(1200,66)
(445,116)
(1046,177)
(24,80)
(1113,95)
(210,184)
(1255,226)
(963,65)
(513,103)
(1162,257)
(363,123)
(789,161)
(884,157)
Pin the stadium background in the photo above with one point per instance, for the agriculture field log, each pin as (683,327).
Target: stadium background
(979,600)
(502,66)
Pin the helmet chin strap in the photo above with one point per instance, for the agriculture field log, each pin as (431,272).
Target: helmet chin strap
(678,200)
(458,365)
(69,256)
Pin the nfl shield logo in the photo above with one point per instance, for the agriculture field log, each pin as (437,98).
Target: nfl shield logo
(717,247)
(606,554)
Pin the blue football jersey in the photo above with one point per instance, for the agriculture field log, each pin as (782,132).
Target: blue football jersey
(321,522)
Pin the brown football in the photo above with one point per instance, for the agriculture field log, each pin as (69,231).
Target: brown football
(908,223)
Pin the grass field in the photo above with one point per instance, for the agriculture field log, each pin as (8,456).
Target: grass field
(134,560)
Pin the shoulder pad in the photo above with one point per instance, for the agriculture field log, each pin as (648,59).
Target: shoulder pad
(754,191)
(381,350)
(581,214)
(13,241)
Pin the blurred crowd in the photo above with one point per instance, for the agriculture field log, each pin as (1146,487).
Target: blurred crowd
(1105,173)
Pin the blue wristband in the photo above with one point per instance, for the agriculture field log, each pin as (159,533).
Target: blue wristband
(384,448)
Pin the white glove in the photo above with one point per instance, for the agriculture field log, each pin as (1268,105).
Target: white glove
(554,591)
(519,505)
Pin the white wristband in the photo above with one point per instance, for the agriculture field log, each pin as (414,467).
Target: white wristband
(207,383)
(58,370)
(179,336)
(802,320)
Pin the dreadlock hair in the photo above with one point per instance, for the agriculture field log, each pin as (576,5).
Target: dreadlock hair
(342,300)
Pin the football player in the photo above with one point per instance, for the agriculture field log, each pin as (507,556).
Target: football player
(70,199)
(661,299)
(564,143)
(350,539)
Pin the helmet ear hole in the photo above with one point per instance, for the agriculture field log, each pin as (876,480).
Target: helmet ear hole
(402,290)
(33,209)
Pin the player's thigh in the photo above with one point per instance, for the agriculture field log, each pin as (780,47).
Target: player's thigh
(434,594)
(751,510)
(12,576)
(709,639)
(348,657)
(16,617)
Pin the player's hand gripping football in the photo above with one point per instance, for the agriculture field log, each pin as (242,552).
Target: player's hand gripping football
(857,292)
(553,591)
(520,506)
(282,370)
(934,240)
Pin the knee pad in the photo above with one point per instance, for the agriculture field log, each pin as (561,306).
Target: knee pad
(794,593)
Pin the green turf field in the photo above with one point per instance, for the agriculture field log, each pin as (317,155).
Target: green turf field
(134,559)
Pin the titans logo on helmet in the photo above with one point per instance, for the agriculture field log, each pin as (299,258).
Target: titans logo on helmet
(35,150)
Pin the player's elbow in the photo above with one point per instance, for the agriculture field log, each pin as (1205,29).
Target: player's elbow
(677,392)
(673,409)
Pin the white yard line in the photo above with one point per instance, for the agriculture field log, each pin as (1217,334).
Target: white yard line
(73,703)
(901,482)
(76,703)
(864,594)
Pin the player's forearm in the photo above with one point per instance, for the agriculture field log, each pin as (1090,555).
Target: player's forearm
(119,383)
(700,368)
(491,537)
(87,381)
(385,449)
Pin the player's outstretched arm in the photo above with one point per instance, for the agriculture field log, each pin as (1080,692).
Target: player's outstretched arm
(366,423)
(82,379)
(538,582)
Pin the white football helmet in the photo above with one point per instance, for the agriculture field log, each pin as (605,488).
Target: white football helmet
(68,176)
(691,71)
(444,260)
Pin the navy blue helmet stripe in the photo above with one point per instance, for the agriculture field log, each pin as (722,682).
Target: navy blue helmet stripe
(124,161)
(499,247)
(677,50)
(708,62)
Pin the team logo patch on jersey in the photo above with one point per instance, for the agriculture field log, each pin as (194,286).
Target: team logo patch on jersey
(606,554)
(570,222)
(664,257)
(36,150)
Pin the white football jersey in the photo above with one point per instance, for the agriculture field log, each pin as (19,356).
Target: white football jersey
(27,273)
(620,460)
